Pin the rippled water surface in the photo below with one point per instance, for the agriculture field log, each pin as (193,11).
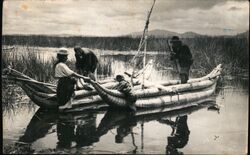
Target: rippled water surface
(198,129)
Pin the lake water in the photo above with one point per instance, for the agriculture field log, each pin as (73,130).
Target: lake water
(202,129)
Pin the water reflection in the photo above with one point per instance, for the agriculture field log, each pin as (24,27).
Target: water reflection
(179,136)
(125,129)
(80,129)
(77,130)
(86,131)
(65,132)
(39,125)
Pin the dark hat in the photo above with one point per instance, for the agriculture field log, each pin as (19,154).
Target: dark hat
(175,39)
(77,47)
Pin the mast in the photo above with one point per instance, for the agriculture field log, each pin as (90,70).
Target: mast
(144,60)
(142,41)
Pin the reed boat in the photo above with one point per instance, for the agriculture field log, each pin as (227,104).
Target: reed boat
(160,95)
(151,95)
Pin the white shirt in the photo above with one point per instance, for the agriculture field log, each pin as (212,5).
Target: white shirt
(62,70)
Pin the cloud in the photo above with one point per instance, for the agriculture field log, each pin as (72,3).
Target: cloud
(116,17)
(173,5)
(216,21)
(233,8)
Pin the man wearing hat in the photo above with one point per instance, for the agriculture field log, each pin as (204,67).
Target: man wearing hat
(66,80)
(182,54)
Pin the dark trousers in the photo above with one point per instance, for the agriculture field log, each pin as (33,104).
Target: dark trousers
(184,74)
(184,78)
(65,89)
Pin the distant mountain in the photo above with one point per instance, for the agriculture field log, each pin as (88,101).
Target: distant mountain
(155,33)
(166,34)
(162,33)
(190,35)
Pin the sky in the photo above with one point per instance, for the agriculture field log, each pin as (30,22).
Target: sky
(121,17)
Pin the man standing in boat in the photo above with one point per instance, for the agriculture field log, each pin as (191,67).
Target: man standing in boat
(86,64)
(183,57)
(66,80)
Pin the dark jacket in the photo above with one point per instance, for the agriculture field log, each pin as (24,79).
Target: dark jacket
(184,56)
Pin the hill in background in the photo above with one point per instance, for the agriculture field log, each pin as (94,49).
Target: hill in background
(168,34)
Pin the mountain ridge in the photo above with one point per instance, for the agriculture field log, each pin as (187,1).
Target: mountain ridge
(188,34)
(158,33)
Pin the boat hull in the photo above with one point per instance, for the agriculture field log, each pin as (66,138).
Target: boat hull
(172,93)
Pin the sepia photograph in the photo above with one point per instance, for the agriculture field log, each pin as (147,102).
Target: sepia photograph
(125,77)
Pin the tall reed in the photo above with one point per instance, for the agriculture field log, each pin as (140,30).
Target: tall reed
(231,51)
(29,62)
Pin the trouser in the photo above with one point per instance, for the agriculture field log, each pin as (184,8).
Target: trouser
(65,89)
(183,77)
(184,74)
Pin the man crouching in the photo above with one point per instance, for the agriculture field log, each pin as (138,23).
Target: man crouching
(124,87)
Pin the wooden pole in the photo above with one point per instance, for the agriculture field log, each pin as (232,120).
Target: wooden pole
(142,40)
(144,60)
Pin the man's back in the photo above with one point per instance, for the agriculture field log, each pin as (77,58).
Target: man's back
(184,56)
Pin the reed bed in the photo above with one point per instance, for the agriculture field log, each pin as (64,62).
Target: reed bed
(27,61)
(231,51)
